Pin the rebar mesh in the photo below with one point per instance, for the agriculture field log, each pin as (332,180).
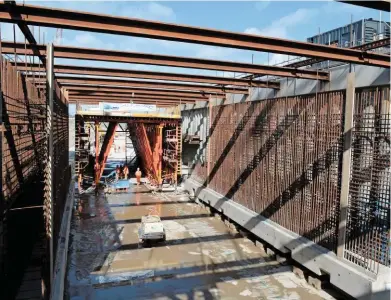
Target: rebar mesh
(368,229)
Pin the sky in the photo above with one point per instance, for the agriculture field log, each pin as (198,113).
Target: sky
(296,20)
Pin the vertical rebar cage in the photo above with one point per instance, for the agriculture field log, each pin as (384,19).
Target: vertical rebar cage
(282,158)
(368,228)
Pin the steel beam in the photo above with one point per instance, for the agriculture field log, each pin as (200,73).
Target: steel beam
(119,100)
(67,19)
(93,71)
(137,91)
(365,47)
(170,61)
(130,99)
(133,95)
(65,80)
(25,30)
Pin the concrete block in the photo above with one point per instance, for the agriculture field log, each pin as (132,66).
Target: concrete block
(315,282)
(346,276)
(270,252)
(260,245)
(281,259)
(298,272)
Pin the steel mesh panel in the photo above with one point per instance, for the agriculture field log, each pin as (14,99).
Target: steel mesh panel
(368,228)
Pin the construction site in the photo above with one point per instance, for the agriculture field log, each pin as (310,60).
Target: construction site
(263,181)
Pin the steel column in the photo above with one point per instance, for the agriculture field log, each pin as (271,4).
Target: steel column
(346,162)
(48,200)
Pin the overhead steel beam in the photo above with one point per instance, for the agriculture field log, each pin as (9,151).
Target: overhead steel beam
(167,60)
(364,47)
(138,95)
(158,104)
(67,19)
(64,80)
(152,100)
(137,91)
(11,5)
(93,71)
(131,96)
(374,4)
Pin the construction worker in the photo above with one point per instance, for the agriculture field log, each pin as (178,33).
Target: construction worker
(121,171)
(79,181)
(97,171)
(126,172)
(117,172)
(138,176)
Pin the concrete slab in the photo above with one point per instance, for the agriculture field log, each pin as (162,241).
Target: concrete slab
(201,259)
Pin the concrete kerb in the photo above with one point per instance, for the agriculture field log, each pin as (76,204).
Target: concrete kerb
(313,257)
(60,266)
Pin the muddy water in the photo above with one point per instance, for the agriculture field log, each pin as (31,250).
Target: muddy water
(201,258)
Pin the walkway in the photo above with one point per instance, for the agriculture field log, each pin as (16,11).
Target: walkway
(200,260)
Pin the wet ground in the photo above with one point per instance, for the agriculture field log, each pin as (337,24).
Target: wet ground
(201,258)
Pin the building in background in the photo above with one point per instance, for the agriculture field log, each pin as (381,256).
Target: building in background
(355,34)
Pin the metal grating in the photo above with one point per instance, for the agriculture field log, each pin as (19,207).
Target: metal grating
(368,229)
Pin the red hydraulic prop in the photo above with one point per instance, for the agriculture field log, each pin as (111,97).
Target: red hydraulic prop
(144,149)
(105,150)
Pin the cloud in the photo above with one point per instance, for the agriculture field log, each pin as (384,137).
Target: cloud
(150,10)
(280,28)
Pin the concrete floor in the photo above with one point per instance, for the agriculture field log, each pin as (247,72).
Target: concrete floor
(201,258)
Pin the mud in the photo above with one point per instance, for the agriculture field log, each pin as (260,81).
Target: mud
(201,258)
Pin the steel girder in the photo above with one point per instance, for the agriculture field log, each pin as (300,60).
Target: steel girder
(93,71)
(133,95)
(67,19)
(137,91)
(65,80)
(170,61)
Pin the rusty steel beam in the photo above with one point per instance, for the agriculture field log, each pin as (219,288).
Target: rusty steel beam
(374,4)
(137,91)
(65,80)
(364,47)
(67,19)
(122,99)
(137,95)
(25,30)
(129,97)
(93,71)
(167,60)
